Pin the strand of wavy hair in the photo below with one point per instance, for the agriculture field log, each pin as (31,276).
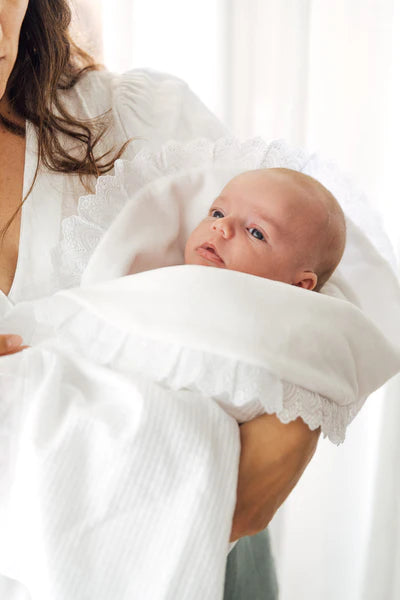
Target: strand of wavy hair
(48,62)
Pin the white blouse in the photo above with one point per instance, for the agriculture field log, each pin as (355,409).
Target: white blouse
(145,105)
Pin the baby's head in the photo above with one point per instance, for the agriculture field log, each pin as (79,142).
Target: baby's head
(274,223)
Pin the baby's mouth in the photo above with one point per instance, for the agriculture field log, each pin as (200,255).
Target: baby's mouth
(209,252)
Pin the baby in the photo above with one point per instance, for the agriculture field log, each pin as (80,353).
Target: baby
(274,223)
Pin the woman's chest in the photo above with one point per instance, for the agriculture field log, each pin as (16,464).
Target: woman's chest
(12,161)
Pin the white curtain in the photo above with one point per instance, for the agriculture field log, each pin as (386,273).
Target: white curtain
(325,75)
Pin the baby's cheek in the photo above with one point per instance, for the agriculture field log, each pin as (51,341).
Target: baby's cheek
(186,253)
(190,247)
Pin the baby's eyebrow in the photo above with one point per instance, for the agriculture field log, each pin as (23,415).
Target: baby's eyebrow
(270,221)
(212,205)
(223,198)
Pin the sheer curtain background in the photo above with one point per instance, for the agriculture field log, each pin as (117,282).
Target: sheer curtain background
(326,76)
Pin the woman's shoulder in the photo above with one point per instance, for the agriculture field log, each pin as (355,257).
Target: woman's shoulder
(146,104)
(159,107)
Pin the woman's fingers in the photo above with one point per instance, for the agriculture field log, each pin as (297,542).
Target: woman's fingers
(10,344)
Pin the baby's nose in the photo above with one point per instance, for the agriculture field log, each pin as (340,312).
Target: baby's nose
(223,226)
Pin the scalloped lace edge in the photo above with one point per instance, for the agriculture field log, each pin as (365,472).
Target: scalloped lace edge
(244,390)
(81,233)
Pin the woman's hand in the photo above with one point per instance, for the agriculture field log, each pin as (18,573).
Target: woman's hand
(272,460)
(10,344)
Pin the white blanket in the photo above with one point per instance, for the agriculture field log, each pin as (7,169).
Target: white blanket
(121,459)
(118,430)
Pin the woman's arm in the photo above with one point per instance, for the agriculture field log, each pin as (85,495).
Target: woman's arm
(272,460)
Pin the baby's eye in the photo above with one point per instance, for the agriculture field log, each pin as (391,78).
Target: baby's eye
(256,233)
(217,214)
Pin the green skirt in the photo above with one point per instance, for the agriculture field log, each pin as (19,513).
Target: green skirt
(250,570)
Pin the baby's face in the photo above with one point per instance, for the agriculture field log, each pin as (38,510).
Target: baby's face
(260,224)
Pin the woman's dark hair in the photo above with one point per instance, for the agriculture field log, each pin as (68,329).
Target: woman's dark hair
(49,61)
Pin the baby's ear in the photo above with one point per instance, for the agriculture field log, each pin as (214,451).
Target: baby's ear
(307,280)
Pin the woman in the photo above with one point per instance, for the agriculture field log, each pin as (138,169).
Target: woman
(63,123)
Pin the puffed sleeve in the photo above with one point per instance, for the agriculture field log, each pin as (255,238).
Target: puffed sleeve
(156,107)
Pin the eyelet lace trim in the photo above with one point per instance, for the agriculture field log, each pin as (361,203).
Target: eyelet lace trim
(242,389)
(81,233)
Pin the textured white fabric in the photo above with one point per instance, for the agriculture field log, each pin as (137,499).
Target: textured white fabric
(97,495)
(113,465)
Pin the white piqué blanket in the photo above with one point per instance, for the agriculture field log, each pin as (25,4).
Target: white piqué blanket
(118,428)
(119,439)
